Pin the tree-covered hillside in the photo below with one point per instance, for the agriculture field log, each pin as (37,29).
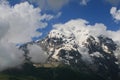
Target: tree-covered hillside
(29,72)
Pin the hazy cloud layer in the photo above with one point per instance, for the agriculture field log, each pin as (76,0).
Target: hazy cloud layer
(114,2)
(56,5)
(37,54)
(84,2)
(50,4)
(18,25)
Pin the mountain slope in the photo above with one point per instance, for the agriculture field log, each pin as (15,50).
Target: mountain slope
(91,53)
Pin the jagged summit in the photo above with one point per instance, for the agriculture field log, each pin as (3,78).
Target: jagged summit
(92,52)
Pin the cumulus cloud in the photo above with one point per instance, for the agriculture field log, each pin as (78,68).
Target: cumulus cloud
(115,13)
(23,20)
(18,25)
(81,30)
(84,2)
(50,4)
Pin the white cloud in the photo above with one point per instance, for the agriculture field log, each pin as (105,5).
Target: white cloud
(18,25)
(10,56)
(23,20)
(115,13)
(84,2)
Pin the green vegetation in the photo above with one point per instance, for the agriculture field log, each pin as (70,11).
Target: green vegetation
(29,72)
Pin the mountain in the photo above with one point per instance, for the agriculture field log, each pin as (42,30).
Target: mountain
(88,53)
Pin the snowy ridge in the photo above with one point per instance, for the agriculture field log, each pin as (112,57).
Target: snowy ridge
(56,43)
(59,41)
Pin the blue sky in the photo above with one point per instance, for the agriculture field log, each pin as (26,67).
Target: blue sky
(94,11)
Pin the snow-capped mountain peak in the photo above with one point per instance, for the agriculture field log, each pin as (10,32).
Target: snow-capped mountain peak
(77,49)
